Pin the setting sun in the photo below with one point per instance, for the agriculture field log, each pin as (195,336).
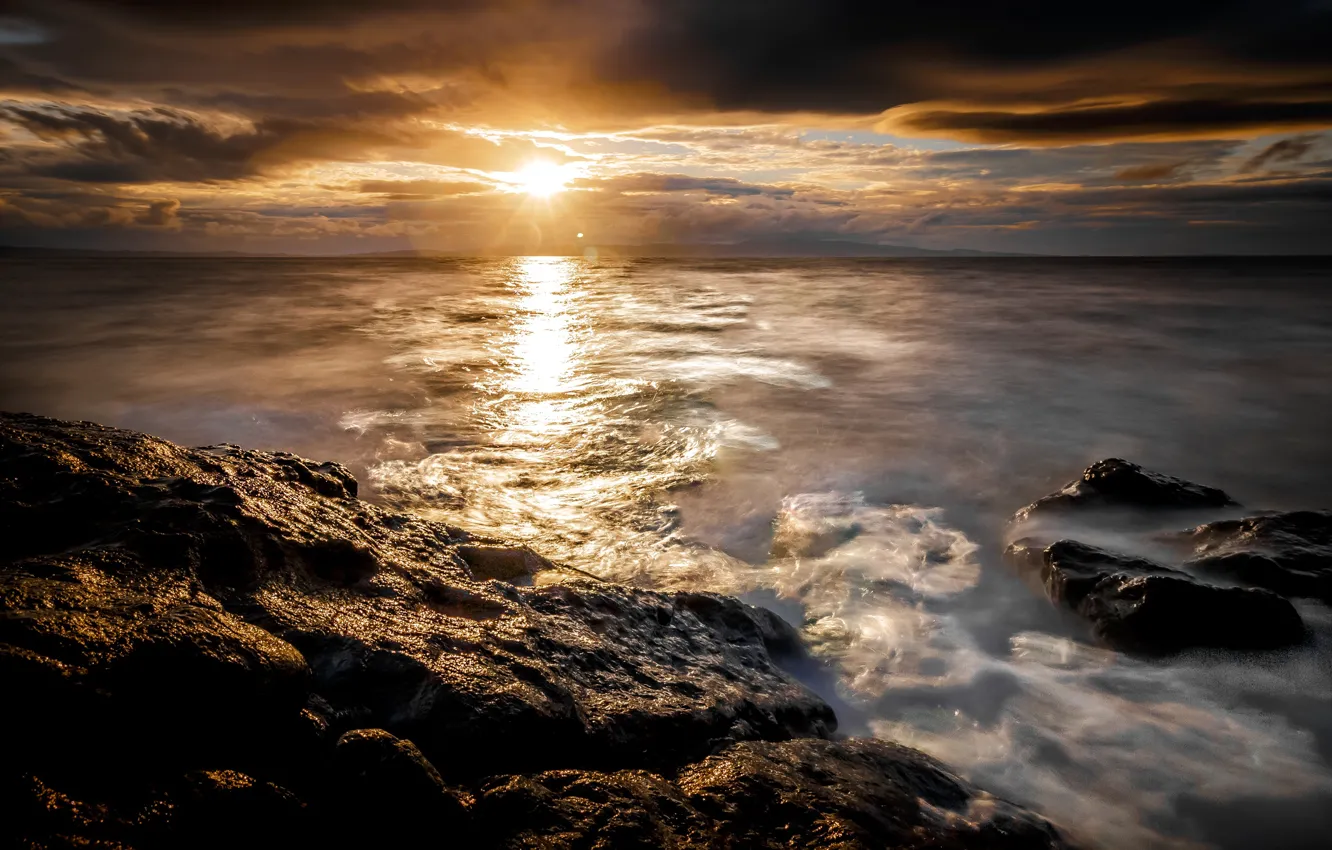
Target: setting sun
(542,179)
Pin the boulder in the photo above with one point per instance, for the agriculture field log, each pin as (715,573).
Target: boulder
(1117,484)
(1288,553)
(383,788)
(1136,605)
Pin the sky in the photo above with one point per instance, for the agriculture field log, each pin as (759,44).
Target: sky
(479,126)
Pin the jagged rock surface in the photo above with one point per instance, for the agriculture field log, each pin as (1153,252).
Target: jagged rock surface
(1140,606)
(1287,553)
(1118,484)
(805,793)
(198,641)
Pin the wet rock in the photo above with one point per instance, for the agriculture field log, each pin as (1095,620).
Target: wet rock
(807,793)
(385,789)
(169,612)
(177,571)
(1140,606)
(503,563)
(227,809)
(744,624)
(112,670)
(206,809)
(1116,483)
(1068,570)
(1163,614)
(373,762)
(1287,553)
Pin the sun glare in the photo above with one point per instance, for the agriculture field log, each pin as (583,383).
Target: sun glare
(542,179)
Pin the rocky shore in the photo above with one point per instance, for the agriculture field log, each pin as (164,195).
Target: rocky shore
(218,648)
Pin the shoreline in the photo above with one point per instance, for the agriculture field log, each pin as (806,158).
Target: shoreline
(208,638)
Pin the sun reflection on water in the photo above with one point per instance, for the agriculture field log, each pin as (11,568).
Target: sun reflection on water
(536,399)
(567,404)
(544,346)
(582,416)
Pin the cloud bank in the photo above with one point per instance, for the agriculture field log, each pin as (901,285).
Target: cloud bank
(341,126)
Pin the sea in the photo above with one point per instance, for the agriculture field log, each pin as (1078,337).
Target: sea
(675,424)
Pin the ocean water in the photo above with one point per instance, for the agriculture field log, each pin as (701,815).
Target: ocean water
(842,441)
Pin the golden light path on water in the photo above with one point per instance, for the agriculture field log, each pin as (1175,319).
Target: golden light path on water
(571,405)
(574,447)
(545,349)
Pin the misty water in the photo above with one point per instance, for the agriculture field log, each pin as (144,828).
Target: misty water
(842,441)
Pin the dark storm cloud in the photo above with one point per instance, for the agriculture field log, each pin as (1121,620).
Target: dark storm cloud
(986,62)
(309,67)
(1232,196)
(100,54)
(869,55)
(658,183)
(1164,117)
(91,145)
(1087,164)
(265,13)
(163,144)
(1282,152)
(75,210)
(1152,172)
(349,105)
(321,115)
(15,78)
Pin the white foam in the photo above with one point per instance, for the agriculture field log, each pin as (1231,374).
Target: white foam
(1104,744)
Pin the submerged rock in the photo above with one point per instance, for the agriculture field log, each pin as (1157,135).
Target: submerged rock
(1116,483)
(168,614)
(1287,553)
(1137,605)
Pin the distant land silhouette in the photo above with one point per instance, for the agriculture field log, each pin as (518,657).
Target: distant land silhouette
(747,249)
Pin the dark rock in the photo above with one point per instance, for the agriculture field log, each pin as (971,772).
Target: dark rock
(397,629)
(1116,483)
(1287,553)
(505,563)
(743,624)
(1162,614)
(1139,606)
(169,612)
(754,795)
(207,809)
(116,670)
(384,788)
(373,762)
(1068,570)
(227,809)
